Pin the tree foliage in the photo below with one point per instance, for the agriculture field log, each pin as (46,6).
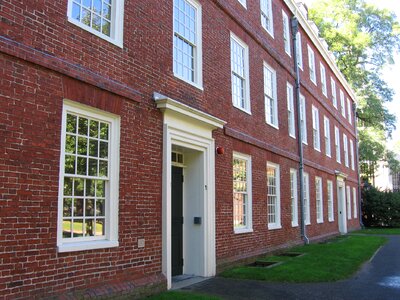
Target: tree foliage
(363,39)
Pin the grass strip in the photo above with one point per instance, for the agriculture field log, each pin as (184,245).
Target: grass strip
(180,295)
(387,231)
(326,262)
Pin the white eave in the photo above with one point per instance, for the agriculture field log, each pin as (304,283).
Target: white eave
(305,24)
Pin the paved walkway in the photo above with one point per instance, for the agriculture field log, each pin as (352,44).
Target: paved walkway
(379,279)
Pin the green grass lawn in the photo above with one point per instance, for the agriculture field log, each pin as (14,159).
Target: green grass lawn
(178,295)
(336,260)
(390,231)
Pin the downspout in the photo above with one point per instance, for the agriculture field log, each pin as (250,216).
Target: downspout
(295,29)
(358,165)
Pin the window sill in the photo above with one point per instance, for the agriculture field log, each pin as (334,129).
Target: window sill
(295,224)
(292,136)
(242,109)
(273,125)
(331,221)
(320,221)
(274,226)
(194,84)
(82,246)
(243,230)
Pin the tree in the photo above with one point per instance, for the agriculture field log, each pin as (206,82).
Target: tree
(363,39)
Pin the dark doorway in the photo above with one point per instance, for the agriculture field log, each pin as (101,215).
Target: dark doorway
(177,220)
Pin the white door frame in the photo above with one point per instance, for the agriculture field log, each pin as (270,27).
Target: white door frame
(192,129)
(341,200)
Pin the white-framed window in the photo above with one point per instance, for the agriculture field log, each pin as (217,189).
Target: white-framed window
(327,136)
(242,196)
(345,150)
(334,93)
(303,119)
(349,111)
(240,74)
(311,65)
(290,104)
(273,196)
(354,203)
(299,50)
(323,79)
(329,185)
(103,18)
(316,131)
(348,202)
(337,145)
(293,197)
(270,96)
(319,200)
(342,106)
(286,33)
(187,50)
(243,2)
(352,154)
(89,179)
(306,202)
(266,16)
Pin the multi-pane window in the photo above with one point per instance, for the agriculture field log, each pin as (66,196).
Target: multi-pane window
(345,150)
(88,181)
(290,104)
(240,74)
(299,50)
(270,97)
(327,136)
(303,119)
(187,41)
(306,202)
(330,201)
(323,79)
(349,111)
(101,17)
(354,203)
(334,93)
(293,197)
(348,202)
(242,219)
(286,33)
(311,65)
(337,145)
(316,131)
(266,16)
(243,2)
(273,196)
(319,199)
(342,106)
(352,154)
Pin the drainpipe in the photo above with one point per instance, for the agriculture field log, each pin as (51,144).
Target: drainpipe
(358,164)
(295,29)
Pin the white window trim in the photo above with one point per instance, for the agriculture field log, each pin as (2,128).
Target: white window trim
(299,51)
(303,114)
(346,150)
(117,27)
(349,111)
(246,75)
(318,186)
(295,205)
(311,65)
(323,79)
(286,30)
(291,111)
(337,146)
(342,104)
(243,3)
(327,135)
(334,93)
(352,154)
(198,49)
(331,215)
(277,224)
(307,215)
(354,203)
(270,16)
(316,127)
(111,223)
(348,202)
(274,95)
(249,206)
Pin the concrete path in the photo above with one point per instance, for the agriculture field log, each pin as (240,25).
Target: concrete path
(379,279)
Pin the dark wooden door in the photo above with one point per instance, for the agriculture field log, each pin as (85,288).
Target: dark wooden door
(177,221)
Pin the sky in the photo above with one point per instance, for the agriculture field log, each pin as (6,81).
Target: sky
(391,73)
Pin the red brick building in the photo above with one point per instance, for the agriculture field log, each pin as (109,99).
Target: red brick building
(146,139)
